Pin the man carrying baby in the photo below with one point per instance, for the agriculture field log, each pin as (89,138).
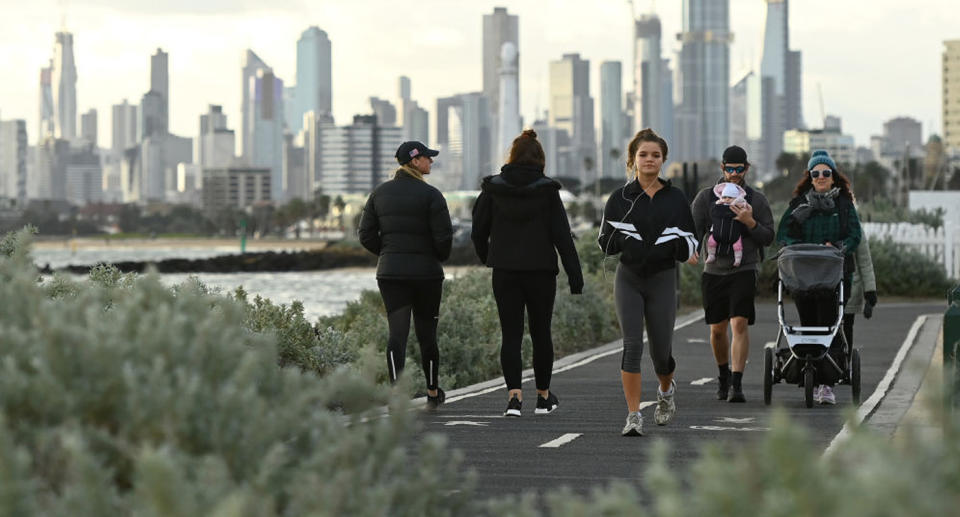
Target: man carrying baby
(728,289)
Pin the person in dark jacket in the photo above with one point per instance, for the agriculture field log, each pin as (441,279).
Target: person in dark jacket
(822,212)
(729,288)
(648,222)
(406,222)
(519,224)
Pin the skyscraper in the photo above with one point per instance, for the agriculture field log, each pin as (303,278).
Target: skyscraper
(647,73)
(463,134)
(385,111)
(498,28)
(251,65)
(215,144)
(124,134)
(951,95)
(64,84)
(702,127)
(160,83)
(508,113)
(88,127)
(571,109)
(314,91)
(266,127)
(13,160)
(47,123)
(612,134)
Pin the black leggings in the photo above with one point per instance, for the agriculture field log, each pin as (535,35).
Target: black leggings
(422,297)
(821,309)
(535,291)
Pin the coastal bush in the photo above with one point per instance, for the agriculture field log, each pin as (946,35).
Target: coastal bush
(121,396)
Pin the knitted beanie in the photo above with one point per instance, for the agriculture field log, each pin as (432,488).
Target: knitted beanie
(821,156)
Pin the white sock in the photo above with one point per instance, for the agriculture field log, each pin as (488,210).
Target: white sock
(668,392)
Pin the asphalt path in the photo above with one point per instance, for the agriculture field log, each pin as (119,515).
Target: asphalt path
(579,445)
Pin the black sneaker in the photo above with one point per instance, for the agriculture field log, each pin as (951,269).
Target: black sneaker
(737,395)
(546,405)
(435,402)
(724,388)
(513,407)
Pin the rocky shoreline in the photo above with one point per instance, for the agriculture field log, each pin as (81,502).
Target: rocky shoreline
(331,257)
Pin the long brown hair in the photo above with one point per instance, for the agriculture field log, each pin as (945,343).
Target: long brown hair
(526,150)
(839,180)
(646,135)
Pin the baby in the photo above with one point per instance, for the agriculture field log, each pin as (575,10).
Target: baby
(726,232)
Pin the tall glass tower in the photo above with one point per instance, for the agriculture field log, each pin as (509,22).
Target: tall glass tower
(314,76)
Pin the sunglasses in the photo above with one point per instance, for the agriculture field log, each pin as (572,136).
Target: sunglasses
(816,174)
(735,170)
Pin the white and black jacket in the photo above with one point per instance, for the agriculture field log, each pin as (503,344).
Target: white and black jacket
(651,235)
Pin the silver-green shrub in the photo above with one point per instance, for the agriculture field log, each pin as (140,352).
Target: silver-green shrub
(129,398)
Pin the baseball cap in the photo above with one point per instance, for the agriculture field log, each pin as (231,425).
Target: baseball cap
(410,150)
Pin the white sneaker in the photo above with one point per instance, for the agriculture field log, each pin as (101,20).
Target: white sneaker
(666,405)
(634,425)
(816,394)
(827,396)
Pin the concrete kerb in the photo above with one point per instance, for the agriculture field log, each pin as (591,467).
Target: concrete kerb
(561,365)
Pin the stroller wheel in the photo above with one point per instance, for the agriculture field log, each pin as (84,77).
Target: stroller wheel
(767,375)
(808,386)
(855,375)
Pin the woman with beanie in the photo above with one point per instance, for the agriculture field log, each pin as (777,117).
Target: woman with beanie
(649,224)
(822,212)
(519,225)
(406,223)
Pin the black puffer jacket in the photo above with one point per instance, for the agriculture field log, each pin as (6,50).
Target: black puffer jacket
(406,223)
(651,235)
(519,224)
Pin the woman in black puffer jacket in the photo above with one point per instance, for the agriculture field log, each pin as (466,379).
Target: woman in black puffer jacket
(406,223)
(519,224)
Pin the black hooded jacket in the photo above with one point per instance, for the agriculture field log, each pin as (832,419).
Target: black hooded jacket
(519,224)
(406,223)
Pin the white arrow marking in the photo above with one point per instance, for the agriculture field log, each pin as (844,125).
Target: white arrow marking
(644,405)
(731,420)
(701,382)
(467,422)
(719,428)
(696,340)
(564,439)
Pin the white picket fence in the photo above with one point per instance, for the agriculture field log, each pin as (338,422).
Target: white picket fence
(942,244)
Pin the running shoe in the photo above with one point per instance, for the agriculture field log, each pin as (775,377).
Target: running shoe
(817,397)
(546,405)
(827,396)
(634,425)
(433,403)
(724,388)
(736,395)
(513,407)
(666,405)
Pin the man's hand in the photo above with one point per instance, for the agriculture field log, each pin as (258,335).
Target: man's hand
(694,259)
(744,214)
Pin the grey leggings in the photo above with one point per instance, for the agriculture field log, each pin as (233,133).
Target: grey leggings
(651,300)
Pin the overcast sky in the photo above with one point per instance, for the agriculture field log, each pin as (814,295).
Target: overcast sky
(873,59)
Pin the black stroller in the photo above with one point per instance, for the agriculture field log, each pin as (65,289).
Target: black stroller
(804,355)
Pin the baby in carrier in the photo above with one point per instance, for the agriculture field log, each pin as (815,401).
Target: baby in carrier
(725,232)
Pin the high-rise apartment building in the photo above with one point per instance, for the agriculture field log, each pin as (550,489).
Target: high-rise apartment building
(314,75)
(951,95)
(702,128)
(215,143)
(358,157)
(463,133)
(13,160)
(385,111)
(902,134)
(64,84)
(124,134)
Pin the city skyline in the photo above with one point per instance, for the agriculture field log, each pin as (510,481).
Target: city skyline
(445,58)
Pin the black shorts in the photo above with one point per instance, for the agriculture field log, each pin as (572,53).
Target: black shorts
(726,296)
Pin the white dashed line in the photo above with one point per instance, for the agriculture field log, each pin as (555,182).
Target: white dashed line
(702,381)
(564,439)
